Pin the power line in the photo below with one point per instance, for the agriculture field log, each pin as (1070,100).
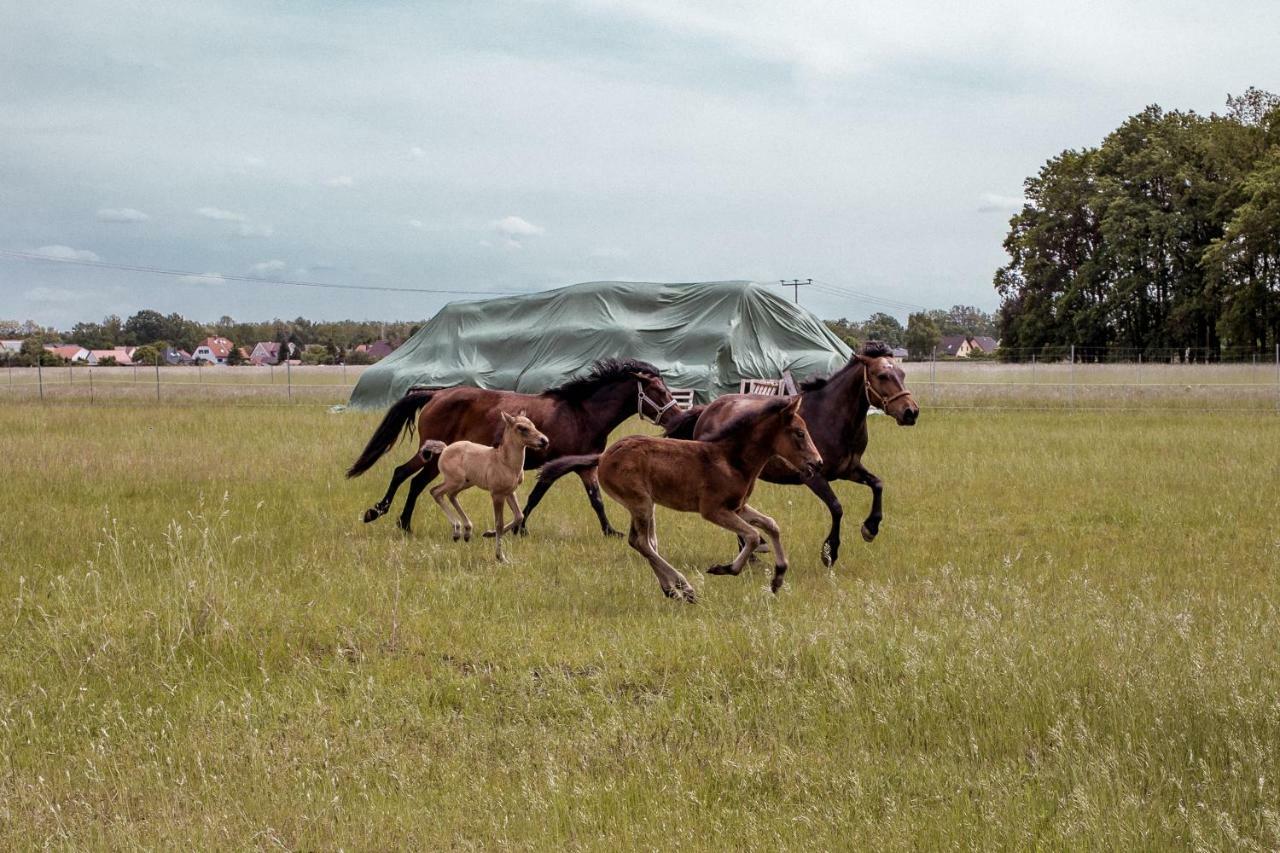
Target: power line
(32,256)
(795,284)
(838,290)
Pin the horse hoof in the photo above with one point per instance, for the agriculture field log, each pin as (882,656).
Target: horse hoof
(405,529)
(371,514)
(829,555)
(457,536)
(488,534)
(524,531)
(609,531)
(868,535)
(722,569)
(776,583)
(466,537)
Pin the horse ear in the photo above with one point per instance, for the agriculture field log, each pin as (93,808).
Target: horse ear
(524,413)
(507,419)
(792,408)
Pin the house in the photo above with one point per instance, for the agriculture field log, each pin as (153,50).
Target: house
(213,350)
(173,356)
(121,355)
(900,353)
(963,346)
(377,350)
(265,352)
(71,352)
(14,346)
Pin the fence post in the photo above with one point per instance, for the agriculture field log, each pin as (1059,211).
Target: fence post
(157,380)
(71,377)
(288,378)
(40,373)
(1139,368)
(1071,389)
(1278,376)
(1033,368)
(90,386)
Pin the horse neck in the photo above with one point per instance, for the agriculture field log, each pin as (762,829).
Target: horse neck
(747,452)
(608,407)
(847,389)
(511,451)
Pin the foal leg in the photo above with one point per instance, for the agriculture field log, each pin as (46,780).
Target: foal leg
(462,513)
(428,473)
(822,488)
(398,476)
(517,517)
(591,483)
(438,492)
(758,519)
(747,534)
(498,502)
(644,539)
(871,526)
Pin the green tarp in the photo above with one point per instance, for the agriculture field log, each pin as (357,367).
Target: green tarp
(706,336)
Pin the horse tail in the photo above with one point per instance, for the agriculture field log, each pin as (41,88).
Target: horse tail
(682,424)
(557,468)
(399,420)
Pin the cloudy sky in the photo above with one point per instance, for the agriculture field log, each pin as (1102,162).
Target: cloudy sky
(514,146)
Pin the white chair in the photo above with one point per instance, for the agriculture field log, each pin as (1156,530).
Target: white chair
(683,398)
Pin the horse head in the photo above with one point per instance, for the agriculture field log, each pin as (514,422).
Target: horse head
(524,431)
(886,384)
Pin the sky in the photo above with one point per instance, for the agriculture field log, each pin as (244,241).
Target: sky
(515,146)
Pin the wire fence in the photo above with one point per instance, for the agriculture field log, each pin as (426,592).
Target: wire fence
(1107,384)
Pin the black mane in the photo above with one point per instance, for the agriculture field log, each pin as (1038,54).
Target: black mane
(606,371)
(744,420)
(871,349)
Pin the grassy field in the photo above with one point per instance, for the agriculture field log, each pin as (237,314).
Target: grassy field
(1065,637)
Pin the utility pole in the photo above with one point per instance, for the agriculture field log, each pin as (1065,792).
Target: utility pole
(795,284)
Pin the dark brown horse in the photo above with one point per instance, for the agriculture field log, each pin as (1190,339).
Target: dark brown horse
(835,408)
(576,416)
(712,477)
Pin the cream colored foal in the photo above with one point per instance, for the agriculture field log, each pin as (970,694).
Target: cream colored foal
(498,470)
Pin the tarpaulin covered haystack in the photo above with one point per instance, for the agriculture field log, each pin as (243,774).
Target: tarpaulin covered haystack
(706,336)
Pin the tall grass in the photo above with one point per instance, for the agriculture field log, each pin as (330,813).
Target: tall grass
(1064,637)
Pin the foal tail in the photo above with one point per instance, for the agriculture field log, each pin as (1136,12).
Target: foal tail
(399,419)
(681,425)
(557,468)
(431,447)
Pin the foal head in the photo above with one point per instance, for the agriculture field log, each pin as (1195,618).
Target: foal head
(791,441)
(520,429)
(886,384)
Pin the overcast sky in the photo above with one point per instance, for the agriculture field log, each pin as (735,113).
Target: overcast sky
(522,145)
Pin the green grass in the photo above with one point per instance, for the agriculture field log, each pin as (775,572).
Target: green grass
(1065,637)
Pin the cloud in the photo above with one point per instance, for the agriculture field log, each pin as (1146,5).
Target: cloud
(249,231)
(66,253)
(121,214)
(340,181)
(212,278)
(217,214)
(514,229)
(51,294)
(267,268)
(996,203)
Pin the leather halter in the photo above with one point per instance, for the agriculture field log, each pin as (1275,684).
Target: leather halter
(885,401)
(659,411)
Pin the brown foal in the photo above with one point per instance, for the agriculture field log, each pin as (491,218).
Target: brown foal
(712,477)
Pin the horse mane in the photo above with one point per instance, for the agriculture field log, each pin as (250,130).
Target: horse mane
(743,421)
(871,349)
(606,371)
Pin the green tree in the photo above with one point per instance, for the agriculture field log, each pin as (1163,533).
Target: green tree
(885,328)
(922,335)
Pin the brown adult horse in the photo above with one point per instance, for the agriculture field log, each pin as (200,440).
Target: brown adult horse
(576,416)
(712,477)
(835,408)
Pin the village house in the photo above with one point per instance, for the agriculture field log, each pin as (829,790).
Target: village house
(71,352)
(377,350)
(122,355)
(265,352)
(174,356)
(964,346)
(213,350)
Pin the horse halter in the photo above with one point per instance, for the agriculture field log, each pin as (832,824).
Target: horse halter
(659,411)
(883,405)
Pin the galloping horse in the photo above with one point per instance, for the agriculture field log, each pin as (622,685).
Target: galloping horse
(713,477)
(577,416)
(835,408)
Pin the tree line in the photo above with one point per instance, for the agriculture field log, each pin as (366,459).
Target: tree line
(923,331)
(1166,235)
(327,340)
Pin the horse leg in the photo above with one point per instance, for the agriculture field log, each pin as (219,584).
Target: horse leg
(643,538)
(498,503)
(871,526)
(438,492)
(517,517)
(428,473)
(750,538)
(591,483)
(462,513)
(398,476)
(821,487)
(759,520)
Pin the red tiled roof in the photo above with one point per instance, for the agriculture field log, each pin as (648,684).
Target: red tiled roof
(220,347)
